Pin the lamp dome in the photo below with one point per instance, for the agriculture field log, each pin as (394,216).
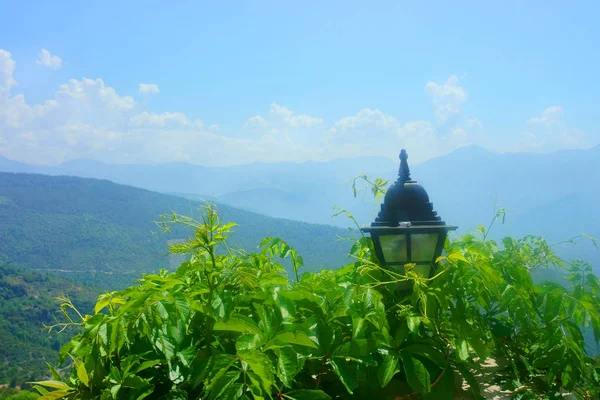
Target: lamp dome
(406,200)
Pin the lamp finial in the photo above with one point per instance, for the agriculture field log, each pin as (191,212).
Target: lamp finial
(403,171)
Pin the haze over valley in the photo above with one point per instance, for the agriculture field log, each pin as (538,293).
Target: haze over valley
(550,195)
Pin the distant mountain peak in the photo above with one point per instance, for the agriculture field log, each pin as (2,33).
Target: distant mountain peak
(472,150)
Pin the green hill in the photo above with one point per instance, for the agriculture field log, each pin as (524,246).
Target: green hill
(27,301)
(100,232)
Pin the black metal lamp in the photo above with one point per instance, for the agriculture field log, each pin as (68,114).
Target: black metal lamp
(407,229)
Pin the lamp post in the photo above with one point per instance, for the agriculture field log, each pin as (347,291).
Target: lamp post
(407,229)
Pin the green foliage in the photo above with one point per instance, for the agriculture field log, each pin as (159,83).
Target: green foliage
(377,186)
(231,326)
(27,302)
(14,394)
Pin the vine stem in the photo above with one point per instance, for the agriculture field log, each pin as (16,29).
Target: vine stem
(323,368)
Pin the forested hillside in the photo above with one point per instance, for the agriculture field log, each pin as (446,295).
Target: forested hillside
(27,302)
(547,194)
(100,234)
(92,229)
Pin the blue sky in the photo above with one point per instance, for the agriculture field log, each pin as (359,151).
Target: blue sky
(235,82)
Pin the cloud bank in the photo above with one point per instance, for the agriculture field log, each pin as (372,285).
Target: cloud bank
(86,118)
(148,88)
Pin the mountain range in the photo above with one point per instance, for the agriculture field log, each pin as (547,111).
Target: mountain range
(299,191)
(91,229)
(552,195)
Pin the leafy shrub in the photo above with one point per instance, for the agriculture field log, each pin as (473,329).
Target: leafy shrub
(14,394)
(231,326)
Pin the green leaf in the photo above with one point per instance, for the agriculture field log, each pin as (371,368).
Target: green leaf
(462,349)
(260,364)
(145,393)
(165,345)
(416,374)
(55,375)
(341,368)
(248,342)
(283,339)
(114,390)
(287,308)
(480,347)
(135,382)
(40,389)
(400,335)
(237,323)
(287,365)
(218,307)
(413,323)
(147,364)
(81,372)
(456,257)
(549,357)
(54,384)
(57,394)
(219,386)
(306,394)
(388,368)
(234,392)
(218,365)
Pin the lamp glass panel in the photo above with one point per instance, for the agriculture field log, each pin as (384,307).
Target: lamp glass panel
(393,248)
(423,245)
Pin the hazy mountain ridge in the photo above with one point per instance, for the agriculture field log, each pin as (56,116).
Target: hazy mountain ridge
(80,224)
(552,195)
(463,185)
(318,185)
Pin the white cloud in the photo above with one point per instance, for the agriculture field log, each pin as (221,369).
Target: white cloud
(531,141)
(457,131)
(148,88)
(255,122)
(48,60)
(165,120)
(7,66)
(474,123)
(366,122)
(548,132)
(300,129)
(88,119)
(447,98)
(572,137)
(84,117)
(550,116)
(372,132)
(285,115)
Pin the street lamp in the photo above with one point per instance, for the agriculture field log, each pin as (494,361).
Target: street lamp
(407,229)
